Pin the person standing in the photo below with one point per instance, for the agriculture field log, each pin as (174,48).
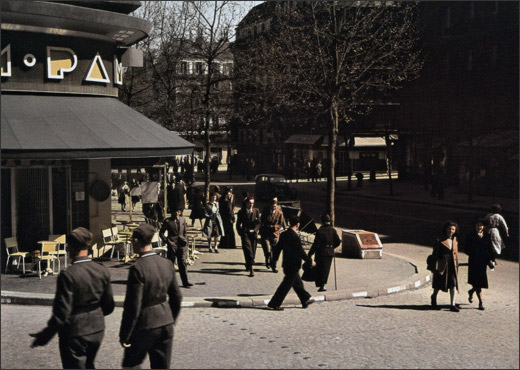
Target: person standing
(480,252)
(293,254)
(213,224)
(248,225)
(177,243)
(272,221)
(325,242)
(151,307)
(134,192)
(227,213)
(179,194)
(123,192)
(446,251)
(495,224)
(83,299)
(197,207)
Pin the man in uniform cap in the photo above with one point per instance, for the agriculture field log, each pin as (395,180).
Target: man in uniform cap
(83,299)
(152,305)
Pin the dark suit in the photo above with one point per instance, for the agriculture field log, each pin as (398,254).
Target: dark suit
(83,299)
(148,317)
(293,254)
(177,243)
(248,225)
(270,231)
(325,241)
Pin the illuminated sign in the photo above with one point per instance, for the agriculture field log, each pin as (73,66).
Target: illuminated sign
(6,61)
(60,61)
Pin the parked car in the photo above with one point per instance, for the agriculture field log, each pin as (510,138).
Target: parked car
(268,186)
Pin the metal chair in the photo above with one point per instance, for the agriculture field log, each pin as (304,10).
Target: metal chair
(62,245)
(11,247)
(117,242)
(48,253)
(157,245)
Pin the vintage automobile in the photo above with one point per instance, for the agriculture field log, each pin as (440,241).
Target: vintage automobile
(269,185)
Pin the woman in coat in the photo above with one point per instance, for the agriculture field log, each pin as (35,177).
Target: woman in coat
(325,241)
(198,210)
(213,226)
(480,252)
(123,192)
(494,224)
(446,252)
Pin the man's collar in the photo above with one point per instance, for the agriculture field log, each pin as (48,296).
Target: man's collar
(82,259)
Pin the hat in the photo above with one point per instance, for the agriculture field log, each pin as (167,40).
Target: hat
(79,238)
(144,233)
(293,220)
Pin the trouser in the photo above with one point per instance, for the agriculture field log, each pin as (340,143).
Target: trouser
(180,254)
(249,248)
(267,246)
(323,264)
(290,280)
(80,352)
(157,343)
(228,240)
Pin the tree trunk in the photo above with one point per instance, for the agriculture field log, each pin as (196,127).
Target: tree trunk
(207,144)
(331,184)
(389,162)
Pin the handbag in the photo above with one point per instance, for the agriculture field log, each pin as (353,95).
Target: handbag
(309,272)
(436,265)
(431,263)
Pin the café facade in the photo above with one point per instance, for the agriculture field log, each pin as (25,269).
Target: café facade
(62,126)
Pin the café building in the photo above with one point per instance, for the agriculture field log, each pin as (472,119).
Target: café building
(62,126)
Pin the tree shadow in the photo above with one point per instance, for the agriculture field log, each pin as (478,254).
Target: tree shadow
(232,272)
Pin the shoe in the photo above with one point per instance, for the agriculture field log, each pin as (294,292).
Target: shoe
(481,308)
(276,308)
(322,289)
(216,250)
(251,273)
(187,285)
(454,309)
(211,250)
(309,301)
(470,295)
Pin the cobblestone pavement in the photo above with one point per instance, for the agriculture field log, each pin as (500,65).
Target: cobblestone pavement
(393,331)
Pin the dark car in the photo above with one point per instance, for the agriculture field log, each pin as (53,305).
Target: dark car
(269,185)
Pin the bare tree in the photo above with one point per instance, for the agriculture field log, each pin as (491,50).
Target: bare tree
(333,60)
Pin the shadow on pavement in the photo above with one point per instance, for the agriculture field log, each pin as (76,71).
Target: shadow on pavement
(416,307)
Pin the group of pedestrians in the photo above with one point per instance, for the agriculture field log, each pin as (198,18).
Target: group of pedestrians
(482,245)
(84,297)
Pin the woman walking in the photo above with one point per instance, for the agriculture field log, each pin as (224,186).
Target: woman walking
(227,206)
(446,253)
(197,207)
(213,225)
(480,252)
(495,224)
(325,242)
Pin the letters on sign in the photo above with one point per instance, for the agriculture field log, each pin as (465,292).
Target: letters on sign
(97,71)
(6,61)
(60,61)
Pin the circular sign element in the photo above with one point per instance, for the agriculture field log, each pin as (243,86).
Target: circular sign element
(29,60)
(99,190)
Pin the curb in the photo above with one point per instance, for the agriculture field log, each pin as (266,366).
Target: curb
(21,298)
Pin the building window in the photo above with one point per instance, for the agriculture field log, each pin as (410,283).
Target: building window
(199,67)
(184,68)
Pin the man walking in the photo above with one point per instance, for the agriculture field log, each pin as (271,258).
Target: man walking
(83,299)
(177,242)
(248,225)
(293,254)
(271,222)
(148,314)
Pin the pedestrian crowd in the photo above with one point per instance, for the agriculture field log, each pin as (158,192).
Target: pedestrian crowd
(153,298)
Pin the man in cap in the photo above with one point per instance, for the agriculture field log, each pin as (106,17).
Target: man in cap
(152,305)
(83,299)
(293,254)
(177,242)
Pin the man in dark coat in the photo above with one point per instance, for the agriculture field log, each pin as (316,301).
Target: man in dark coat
(325,241)
(152,305)
(248,225)
(293,254)
(177,243)
(83,299)
(272,221)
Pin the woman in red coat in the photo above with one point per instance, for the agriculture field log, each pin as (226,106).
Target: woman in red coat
(446,251)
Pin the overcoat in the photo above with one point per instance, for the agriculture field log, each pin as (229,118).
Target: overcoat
(448,276)
(211,218)
(480,252)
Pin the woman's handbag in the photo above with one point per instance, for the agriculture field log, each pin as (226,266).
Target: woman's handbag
(436,265)
(309,272)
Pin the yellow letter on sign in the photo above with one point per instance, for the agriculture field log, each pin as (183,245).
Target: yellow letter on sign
(59,61)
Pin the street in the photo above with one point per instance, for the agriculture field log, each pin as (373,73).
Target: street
(394,331)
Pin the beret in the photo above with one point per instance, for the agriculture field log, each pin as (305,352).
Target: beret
(80,238)
(144,232)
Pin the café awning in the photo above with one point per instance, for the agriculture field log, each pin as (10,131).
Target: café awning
(79,127)
(304,139)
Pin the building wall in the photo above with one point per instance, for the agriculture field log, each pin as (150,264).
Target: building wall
(100,213)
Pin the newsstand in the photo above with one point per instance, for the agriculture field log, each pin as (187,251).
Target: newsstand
(361,244)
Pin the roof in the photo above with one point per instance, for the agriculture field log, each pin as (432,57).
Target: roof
(303,139)
(73,127)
